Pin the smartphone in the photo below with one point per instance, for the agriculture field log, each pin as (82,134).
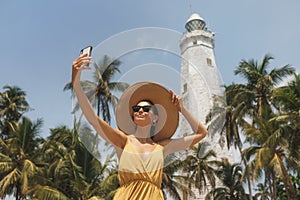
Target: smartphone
(87,50)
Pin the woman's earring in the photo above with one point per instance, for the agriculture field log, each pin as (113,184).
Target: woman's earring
(154,122)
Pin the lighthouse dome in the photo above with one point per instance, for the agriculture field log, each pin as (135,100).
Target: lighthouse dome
(195,22)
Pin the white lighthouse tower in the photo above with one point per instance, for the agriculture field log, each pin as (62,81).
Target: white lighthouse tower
(200,79)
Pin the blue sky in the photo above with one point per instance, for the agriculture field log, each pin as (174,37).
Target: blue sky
(40,39)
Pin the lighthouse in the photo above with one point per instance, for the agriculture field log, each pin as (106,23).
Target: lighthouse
(200,80)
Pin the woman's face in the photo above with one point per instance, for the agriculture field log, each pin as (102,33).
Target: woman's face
(143,114)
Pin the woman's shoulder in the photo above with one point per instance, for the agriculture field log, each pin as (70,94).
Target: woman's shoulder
(164,142)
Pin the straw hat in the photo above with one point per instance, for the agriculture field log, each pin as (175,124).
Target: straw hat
(167,112)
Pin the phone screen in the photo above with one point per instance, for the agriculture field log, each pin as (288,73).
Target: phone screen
(87,49)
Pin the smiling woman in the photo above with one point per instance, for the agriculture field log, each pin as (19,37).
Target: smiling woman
(148,93)
(144,113)
(147,117)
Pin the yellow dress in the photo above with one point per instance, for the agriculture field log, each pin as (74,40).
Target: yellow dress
(140,179)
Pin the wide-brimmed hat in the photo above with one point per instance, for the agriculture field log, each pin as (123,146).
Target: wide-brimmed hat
(168,114)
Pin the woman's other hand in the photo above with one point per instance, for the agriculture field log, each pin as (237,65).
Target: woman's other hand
(176,100)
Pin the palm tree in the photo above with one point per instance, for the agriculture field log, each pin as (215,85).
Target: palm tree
(72,171)
(224,119)
(12,106)
(100,175)
(262,192)
(107,183)
(253,100)
(18,162)
(287,101)
(59,152)
(254,97)
(230,175)
(174,181)
(249,101)
(267,150)
(199,167)
(99,91)
(64,176)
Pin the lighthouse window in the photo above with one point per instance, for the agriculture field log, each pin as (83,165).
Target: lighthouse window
(209,61)
(185,88)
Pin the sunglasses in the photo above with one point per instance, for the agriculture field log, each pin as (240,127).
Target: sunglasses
(137,108)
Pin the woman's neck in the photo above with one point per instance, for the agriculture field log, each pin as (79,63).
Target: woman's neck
(143,134)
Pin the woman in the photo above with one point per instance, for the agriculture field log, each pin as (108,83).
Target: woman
(147,117)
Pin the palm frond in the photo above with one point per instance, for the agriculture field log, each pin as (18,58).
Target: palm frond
(45,192)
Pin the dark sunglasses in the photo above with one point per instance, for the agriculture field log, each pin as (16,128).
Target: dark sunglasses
(137,108)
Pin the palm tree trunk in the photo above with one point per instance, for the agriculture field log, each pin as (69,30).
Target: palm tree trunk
(274,185)
(290,190)
(184,195)
(98,106)
(268,183)
(248,178)
(17,193)
(249,187)
(96,144)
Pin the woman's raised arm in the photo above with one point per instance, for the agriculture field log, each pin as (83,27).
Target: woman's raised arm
(110,134)
(200,131)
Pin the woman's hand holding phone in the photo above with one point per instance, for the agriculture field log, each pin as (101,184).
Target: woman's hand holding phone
(82,62)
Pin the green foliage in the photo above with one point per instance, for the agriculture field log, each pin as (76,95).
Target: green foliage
(61,167)
(230,176)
